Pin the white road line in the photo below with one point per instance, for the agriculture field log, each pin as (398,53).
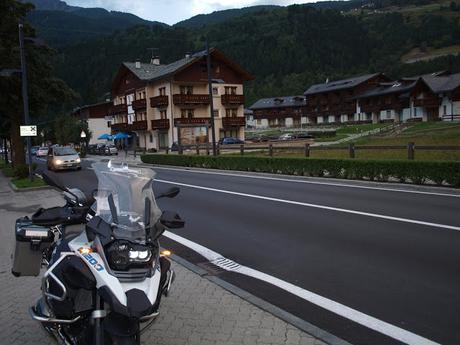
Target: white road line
(323,302)
(311,182)
(329,208)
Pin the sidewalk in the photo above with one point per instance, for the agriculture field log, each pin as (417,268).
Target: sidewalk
(197,312)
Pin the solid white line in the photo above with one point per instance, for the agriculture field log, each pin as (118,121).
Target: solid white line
(329,208)
(323,302)
(311,182)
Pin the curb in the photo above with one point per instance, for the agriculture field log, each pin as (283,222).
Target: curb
(29,189)
(264,305)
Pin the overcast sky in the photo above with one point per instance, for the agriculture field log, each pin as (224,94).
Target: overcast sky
(173,11)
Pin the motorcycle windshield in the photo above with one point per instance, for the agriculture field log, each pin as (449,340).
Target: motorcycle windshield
(125,199)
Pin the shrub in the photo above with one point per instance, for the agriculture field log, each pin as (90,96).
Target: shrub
(21,171)
(417,172)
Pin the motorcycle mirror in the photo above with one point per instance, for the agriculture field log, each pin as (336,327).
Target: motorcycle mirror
(171,220)
(170,193)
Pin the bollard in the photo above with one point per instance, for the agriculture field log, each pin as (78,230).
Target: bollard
(167,150)
(242,150)
(197,150)
(411,151)
(307,150)
(207,149)
(270,150)
(351,149)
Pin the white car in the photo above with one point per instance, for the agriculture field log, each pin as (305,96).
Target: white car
(42,151)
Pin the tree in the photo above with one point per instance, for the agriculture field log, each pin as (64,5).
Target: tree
(46,93)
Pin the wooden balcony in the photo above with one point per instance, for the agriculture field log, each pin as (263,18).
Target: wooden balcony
(160,124)
(118,109)
(120,127)
(427,102)
(232,99)
(180,99)
(139,126)
(139,104)
(159,101)
(238,121)
(194,121)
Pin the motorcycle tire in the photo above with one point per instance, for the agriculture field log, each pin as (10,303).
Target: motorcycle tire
(134,340)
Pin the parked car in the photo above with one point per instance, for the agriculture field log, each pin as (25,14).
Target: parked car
(110,150)
(304,135)
(63,157)
(100,149)
(230,141)
(42,151)
(92,149)
(286,136)
(34,149)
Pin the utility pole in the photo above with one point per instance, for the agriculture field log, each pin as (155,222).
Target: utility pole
(211,99)
(25,96)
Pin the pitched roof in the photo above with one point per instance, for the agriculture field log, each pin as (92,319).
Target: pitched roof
(149,72)
(279,102)
(443,84)
(339,84)
(388,88)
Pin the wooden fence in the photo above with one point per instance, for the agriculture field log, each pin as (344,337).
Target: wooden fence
(411,148)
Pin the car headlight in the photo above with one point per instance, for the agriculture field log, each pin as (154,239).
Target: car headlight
(121,255)
(59,162)
(78,160)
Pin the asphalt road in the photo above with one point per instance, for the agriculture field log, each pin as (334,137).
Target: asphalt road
(388,254)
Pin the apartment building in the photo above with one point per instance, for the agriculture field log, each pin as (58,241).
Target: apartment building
(164,104)
(279,112)
(98,118)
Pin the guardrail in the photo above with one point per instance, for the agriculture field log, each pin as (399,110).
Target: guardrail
(411,148)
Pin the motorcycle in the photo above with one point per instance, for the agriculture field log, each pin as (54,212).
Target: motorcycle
(105,274)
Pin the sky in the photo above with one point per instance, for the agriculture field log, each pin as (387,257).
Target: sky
(173,11)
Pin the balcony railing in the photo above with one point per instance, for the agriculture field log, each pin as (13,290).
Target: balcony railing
(139,104)
(118,109)
(159,101)
(160,124)
(192,121)
(139,126)
(120,127)
(427,102)
(232,99)
(190,99)
(238,121)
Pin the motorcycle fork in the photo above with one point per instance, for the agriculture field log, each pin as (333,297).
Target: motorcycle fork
(97,315)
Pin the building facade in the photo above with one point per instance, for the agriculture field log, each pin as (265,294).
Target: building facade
(164,104)
(279,112)
(98,119)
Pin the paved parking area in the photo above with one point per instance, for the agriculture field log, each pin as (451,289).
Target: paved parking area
(196,312)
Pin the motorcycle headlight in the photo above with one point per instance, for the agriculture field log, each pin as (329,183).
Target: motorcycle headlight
(121,255)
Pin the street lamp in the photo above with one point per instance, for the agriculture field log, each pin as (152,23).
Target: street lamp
(83,140)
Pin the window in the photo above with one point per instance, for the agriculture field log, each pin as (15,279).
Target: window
(186,113)
(186,90)
(151,138)
(162,91)
(215,91)
(230,90)
(415,112)
(259,121)
(108,123)
(215,113)
(444,110)
(163,114)
(388,114)
(231,112)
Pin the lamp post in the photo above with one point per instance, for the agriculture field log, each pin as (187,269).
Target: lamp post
(83,140)
(211,105)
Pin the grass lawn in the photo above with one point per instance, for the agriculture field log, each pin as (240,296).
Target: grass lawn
(424,133)
(25,182)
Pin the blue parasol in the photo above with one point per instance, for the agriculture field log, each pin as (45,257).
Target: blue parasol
(105,136)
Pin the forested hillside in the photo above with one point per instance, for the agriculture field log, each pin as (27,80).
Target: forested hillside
(286,48)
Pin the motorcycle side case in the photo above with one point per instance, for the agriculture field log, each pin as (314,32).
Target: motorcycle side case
(31,241)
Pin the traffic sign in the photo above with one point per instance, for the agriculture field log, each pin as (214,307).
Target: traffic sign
(28,131)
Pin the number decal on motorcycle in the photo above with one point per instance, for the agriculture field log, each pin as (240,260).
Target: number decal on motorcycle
(93,262)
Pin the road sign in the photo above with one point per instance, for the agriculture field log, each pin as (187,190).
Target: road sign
(28,131)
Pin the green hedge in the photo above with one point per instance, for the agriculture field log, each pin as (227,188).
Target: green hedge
(418,172)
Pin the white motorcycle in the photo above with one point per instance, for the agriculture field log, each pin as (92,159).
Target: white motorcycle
(105,272)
